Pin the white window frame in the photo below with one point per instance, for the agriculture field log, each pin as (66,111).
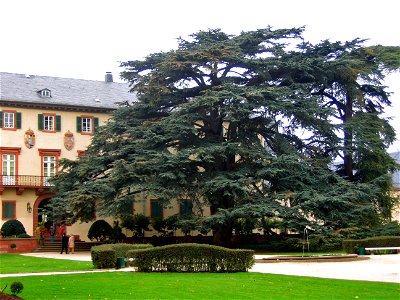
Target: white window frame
(9,162)
(87,124)
(49,167)
(48,122)
(45,93)
(8,119)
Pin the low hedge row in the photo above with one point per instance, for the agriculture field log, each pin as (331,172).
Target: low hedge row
(191,258)
(105,256)
(352,246)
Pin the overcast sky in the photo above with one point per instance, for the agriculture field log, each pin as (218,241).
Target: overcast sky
(85,38)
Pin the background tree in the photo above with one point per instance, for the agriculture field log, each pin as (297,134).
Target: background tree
(349,79)
(219,121)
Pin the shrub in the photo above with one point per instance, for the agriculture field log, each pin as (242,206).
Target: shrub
(23,236)
(191,258)
(244,225)
(352,246)
(13,246)
(159,225)
(11,228)
(105,256)
(186,225)
(100,230)
(117,232)
(388,229)
(137,223)
(16,287)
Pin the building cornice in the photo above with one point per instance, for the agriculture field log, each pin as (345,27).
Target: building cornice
(58,107)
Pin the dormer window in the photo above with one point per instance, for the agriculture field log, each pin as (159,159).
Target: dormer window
(45,93)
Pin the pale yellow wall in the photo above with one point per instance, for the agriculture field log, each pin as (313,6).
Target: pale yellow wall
(21,214)
(29,160)
(396,211)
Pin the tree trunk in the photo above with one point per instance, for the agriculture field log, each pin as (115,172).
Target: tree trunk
(348,139)
(222,235)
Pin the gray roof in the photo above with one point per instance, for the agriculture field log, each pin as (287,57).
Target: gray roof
(67,93)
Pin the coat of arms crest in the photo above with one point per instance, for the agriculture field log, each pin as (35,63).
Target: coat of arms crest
(69,140)
(29,138)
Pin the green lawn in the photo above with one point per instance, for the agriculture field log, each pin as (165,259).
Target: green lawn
(130,285)
(123,285)
(15,263)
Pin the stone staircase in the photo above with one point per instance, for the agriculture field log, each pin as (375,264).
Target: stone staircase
(55,246)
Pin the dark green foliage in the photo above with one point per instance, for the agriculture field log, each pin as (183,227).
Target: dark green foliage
(288,243)
(352,246)
(104,256)
(388,229)
(100,230)
(117,234)
(244,225)
(138,224)
(191,258)
(268,224)
(349,78)
(122,249)
(11,228)
(186,225)
(159,225)
(220,122)
(23,236)
(16,287)
(13,246)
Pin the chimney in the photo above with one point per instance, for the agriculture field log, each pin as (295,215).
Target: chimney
(109,77)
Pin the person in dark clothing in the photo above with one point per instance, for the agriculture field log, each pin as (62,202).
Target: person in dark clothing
(52,233)
(64,243)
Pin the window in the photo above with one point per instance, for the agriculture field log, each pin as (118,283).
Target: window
(9,164)
(8,211)
(156,209)
(45,93)
(49,122)
(185,208)
(10,120)
(8,168)
(87,124)
(49,166)
(49,163)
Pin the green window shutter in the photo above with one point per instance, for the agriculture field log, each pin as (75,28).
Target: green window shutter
(19,120)
(78,124)
(58,123)
(1,119)
(186,207)
(95,124)
(40,122)
(156,209)
(8,210)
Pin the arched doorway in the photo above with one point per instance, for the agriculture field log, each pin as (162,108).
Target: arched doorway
(42,216)
(39,215)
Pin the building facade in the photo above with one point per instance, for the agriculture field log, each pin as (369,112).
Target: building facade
(44,119)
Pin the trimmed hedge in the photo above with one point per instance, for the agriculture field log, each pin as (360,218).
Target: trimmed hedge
(105,256)
(191,258)
(352,246)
